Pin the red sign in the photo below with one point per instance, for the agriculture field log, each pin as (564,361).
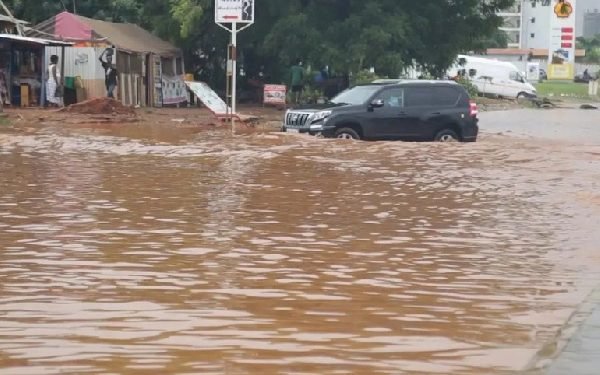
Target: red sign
(566,45)
(274,94)
(566,37)
(567,30)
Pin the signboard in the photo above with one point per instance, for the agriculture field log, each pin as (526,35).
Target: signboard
(533,71)
(234,11)
(561,71)
(209,98)
(274,94)
(562,38)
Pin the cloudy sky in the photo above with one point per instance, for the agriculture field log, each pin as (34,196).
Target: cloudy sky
(582,7)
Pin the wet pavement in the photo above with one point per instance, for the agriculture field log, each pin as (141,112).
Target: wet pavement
(138,252)
(581,356)
(571,125)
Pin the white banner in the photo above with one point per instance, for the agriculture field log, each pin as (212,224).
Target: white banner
(173,90)
(234,11)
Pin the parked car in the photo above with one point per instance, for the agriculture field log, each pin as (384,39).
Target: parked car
(492,77)
(409,110)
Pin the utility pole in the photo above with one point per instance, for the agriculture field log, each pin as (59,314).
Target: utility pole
(233,16)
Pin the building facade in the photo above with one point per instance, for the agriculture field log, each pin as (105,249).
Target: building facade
(527,22)
(591,23)
(511,24)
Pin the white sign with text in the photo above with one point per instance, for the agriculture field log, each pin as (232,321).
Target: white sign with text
(234,11)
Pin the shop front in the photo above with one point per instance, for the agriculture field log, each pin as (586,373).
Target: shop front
(23,72)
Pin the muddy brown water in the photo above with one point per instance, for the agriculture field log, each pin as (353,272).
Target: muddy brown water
(289,255)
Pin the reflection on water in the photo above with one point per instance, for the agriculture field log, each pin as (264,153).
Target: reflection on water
(288,254)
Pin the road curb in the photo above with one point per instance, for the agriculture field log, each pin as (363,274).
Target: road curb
(549,359)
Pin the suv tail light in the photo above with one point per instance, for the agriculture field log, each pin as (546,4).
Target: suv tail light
(473,109)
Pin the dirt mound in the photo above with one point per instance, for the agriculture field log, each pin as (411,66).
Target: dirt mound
(100,106)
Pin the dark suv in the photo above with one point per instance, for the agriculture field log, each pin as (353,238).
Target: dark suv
(406,110)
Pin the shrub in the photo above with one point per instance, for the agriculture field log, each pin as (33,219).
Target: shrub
(469,86)
(363,76)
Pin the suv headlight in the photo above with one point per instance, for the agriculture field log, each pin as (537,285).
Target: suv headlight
(320,116)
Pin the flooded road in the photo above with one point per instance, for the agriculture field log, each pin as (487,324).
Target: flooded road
(290,255)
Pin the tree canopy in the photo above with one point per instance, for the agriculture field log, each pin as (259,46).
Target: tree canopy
(346,35)
(591,47)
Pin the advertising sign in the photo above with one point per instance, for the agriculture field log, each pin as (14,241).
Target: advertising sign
(274,94)
(173,90)
(234,11)
(562,37)
(561,71)
(533,71)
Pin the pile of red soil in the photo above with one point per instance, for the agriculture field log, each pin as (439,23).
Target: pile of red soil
(100,106)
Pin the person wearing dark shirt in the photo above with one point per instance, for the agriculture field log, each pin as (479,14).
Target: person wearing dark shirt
(110,72)
(297,73)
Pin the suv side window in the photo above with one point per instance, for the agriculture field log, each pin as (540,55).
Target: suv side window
(419,96)
(393,98)
(446,96)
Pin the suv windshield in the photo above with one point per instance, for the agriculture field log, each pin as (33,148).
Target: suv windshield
(356,95)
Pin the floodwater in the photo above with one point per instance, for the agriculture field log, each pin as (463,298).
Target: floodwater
(289,255)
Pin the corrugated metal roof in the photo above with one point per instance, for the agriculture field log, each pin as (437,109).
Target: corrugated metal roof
(130,37)
(125,36)
(4,18)
(40,41)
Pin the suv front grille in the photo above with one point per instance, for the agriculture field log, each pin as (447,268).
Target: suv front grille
(296,119)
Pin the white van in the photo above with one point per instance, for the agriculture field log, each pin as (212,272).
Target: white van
(492,77)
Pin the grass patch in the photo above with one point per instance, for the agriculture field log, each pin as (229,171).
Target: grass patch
(562,89)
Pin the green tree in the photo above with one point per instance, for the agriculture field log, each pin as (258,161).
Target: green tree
(591,47)
(498,39)
(347,35)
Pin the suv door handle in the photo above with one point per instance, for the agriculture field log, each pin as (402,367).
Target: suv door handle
(436,113)
(403,114)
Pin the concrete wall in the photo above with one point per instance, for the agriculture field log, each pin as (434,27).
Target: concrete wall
(521,63)
(81,62)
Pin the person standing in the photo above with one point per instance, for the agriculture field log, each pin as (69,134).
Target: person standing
(110,72)
(53,88)
(297,81)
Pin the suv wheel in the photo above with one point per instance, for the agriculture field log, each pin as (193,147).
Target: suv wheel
(447,135)
(347,133)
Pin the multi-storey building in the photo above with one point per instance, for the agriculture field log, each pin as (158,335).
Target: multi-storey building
(591,23)
(527,22)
